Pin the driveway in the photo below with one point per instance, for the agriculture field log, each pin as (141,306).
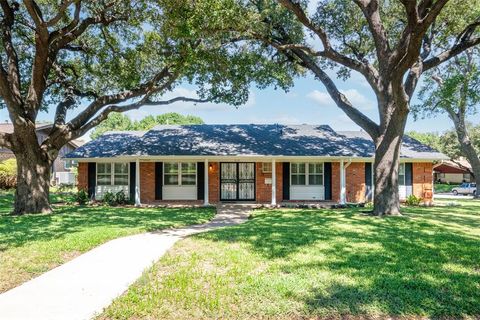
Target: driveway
(84,286)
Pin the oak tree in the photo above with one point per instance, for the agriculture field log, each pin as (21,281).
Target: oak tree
(454,89)
(391,43)
(85,59)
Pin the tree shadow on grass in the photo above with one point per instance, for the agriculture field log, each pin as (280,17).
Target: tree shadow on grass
(18,230)
(426,263)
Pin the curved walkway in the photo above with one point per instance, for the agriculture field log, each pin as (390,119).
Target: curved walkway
(85,285)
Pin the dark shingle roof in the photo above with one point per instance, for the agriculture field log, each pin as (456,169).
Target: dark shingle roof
(411,148)
(227,140)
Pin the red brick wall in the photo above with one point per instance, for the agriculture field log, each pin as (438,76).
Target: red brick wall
(422,181)
(147,182)
(355,182)
(336,181)
(82,178)
(264,191)
(213,182)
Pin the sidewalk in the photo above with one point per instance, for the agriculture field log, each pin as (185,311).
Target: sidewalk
(84,286)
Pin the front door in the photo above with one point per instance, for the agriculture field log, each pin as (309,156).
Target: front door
(237,181)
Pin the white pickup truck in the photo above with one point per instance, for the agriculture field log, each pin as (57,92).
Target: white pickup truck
(465,188)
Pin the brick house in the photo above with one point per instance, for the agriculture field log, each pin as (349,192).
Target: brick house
(257,163)
(61,168)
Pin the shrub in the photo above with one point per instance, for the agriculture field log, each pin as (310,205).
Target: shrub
(120,197)
(8,174)
(109,198)
(413,201)
(81,197)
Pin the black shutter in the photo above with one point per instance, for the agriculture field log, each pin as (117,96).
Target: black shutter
(200,181)
(286,180)
(368,181)
(409,178)
(133,180)
(327,168)
(158,180)
(92,179)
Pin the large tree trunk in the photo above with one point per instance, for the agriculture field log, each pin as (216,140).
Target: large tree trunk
(467,148)
(33,175)
(386,199)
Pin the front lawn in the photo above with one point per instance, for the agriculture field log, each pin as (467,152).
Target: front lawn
(285,264)
(33,244)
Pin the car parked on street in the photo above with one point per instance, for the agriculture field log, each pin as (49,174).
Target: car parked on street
(465,188)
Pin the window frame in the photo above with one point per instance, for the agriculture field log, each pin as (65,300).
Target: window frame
(404,174)
(266,170)
(180,174)
(112,174)
(306,174)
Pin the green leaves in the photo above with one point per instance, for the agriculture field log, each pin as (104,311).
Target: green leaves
(121,122)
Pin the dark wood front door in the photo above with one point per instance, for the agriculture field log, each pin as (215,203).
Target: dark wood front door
(237,181)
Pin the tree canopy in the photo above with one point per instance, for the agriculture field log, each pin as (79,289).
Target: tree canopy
(120,121)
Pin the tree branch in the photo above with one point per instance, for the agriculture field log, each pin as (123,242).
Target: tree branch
(132,106)
(339,98)
(371,12)
(146,89)
(368,71)
(5,140)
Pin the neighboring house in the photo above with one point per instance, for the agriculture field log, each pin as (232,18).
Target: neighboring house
(61,168)
(457,171)
(257,163)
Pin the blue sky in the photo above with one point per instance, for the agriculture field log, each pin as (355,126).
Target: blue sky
(306,102)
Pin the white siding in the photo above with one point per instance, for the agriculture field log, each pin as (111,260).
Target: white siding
(101,190)
(402,190)
(307,192)
(179,192)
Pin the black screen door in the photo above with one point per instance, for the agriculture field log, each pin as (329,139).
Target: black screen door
(237,181)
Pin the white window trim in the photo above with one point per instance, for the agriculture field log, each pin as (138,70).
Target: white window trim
(307,182)
(263,167)
(112,173)
(179,174)
(404,175)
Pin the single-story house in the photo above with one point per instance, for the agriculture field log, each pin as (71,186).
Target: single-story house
(258,163)
(457,171)
(61,168)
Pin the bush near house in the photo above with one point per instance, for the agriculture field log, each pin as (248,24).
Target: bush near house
(8,174)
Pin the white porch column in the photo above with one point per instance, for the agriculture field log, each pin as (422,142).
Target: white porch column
(342,183)
(274,184)
(137,183)
(205,188)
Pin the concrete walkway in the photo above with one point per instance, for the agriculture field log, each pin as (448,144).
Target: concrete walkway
(84,286)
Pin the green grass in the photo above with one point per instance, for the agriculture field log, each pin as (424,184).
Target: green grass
(443,187)
(33,244)
(285,264)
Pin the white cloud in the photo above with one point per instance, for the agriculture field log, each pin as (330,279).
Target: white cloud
(322,98)
(357,99)
(185,107)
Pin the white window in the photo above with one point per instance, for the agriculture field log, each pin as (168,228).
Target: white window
(298,174)
(104,174)
(120,176)
(112,174)
(180,173)
(266,167)
(315,174)
(304,174)
(401,174)
(67,164)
